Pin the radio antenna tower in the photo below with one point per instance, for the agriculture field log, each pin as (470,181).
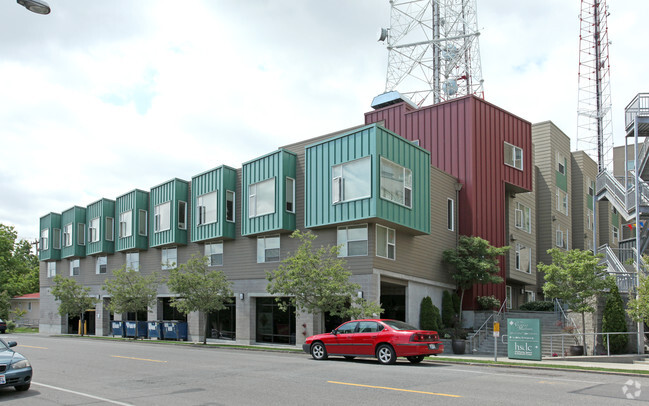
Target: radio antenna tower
(594,127)
(433,49)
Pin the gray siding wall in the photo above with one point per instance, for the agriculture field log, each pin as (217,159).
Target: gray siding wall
(583,169)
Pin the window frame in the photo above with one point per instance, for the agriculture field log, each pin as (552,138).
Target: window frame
(81,234)
(388,244)
(143,221)
(253,198)
(51,269)
(67,235)
(561,164)
(56,238)
(406,183)
(203,203)
(130,262)
(520,217)
(94,227)
(158,217)
(182,215)
(450,214)
(167,265)
(344,251)
(514,159)
(231,210)
(290,195)
(338,181)
(126,224)
(98,265)
(520,248)
(110,229)
(75,270)
(45,238)
(262,244)
(209,252)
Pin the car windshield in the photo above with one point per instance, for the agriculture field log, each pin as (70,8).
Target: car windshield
(399,325)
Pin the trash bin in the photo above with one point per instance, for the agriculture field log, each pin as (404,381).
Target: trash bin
(175,330)
(154,328)
(117,328)
(135,328)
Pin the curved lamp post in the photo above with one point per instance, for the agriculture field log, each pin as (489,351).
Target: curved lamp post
(35,6)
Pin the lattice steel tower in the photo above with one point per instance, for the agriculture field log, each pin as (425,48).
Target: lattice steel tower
(433,49)
(594,127)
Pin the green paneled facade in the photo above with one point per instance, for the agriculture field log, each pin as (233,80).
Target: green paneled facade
(73,223)
(131,218)
(50,239)
(100,231)
(169,213)
(266,206)
(213,204)
(370,173)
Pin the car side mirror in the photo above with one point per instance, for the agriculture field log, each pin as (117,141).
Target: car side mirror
(334,331)
(12,343)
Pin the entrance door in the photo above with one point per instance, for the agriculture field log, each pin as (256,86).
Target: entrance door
(393,300)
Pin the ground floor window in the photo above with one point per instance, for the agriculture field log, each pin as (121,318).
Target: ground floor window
(171,313)
(223,324)
(274,325)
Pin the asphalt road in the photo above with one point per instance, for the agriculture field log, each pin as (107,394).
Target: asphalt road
(70,371)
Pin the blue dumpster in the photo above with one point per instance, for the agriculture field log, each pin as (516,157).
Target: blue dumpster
(175,330)
(117,328)
(154,329)
(135,328)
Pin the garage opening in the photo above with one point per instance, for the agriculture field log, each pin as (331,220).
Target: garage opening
(273,324)
(223,324)
(89,320)
(393,301)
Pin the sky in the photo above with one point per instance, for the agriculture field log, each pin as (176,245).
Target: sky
(102,97)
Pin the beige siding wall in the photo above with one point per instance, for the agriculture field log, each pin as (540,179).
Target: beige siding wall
(584,170)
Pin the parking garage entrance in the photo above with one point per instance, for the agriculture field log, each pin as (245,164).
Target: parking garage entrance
(89,321)
(393,300)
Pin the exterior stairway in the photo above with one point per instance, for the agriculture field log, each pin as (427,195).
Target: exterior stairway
(549,325)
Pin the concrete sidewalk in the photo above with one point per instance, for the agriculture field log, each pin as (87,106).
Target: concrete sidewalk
(611,363)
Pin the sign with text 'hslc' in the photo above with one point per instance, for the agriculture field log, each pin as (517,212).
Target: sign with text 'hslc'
(524,339)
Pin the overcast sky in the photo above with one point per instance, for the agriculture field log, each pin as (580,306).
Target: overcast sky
(102,97)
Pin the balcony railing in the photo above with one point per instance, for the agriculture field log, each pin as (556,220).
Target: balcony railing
(639,107)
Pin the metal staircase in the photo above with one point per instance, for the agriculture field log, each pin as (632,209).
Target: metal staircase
(621,193)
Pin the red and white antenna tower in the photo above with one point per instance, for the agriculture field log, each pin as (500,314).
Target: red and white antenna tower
(594,127)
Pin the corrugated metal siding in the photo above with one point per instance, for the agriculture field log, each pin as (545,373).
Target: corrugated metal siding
(465,137)
(218,179)
(135,201)
(101,209)
(278,165)
(172,191)
(50,221)
(75,216)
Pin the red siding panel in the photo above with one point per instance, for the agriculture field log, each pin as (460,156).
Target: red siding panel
(465,137)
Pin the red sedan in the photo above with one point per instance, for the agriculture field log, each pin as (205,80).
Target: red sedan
(380,338)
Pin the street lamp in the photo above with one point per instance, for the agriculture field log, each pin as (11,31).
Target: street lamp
(35,6)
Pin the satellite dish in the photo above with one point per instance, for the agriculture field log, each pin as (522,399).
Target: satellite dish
(450,87)
(383,34)
(35,6)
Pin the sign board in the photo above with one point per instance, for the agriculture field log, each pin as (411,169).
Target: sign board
(496,329)
(524,339)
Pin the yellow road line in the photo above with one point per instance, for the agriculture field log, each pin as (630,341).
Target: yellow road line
(396,389)
(31,346)
(137,359)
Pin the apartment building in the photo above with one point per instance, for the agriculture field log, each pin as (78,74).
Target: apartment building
(366,189)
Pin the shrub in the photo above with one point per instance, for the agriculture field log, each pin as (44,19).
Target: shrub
(438,318)
(11,325)
(426,318)
(488,302)
(614,321)
(448,312)
(540,306)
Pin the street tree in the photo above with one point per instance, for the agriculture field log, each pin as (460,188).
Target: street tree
(199,288)
(18,266)
(575,277)
(5,305)
(316,280)
(74,299)
(130,291)
(474,261)
(638,305)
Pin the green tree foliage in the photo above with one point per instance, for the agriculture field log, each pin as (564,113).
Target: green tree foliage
(429,317)
(448,309)
(4,304)
(130,291)
(474,261)
(638,307)
(18,266)
(199,288)
(317,281)
(575,277)
(73,298)
(614,321)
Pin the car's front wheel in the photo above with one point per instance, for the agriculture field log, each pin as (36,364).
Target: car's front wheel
(386,355)
(318,351)
(416,359)
(22,388)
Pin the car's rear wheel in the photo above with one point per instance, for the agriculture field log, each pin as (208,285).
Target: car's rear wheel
(386,355)
(22,388)
(318,351)
(416,359)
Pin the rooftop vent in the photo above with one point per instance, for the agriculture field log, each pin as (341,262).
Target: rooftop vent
(390,98)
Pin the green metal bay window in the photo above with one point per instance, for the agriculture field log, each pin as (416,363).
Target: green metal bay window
(268,185)
(168,213)
(213,200)
(74,232)
(50,243)
(131,212)
(100,222)
(368,174)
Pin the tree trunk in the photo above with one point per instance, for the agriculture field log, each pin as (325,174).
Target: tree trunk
(461,304)
(583,335)
(81,325)
(205,330)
